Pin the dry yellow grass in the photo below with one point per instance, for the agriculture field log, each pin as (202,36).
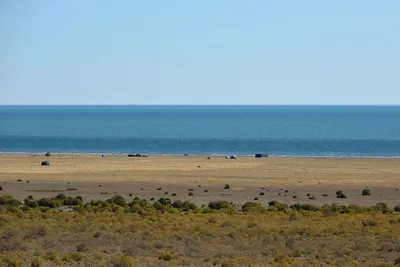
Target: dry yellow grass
(272,239)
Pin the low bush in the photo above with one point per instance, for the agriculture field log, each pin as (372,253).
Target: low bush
(219,204)
(10,201)
(50,202)
(227,186)
(37,262)
(366,192)
(253,207)
(261,194)
(190,194)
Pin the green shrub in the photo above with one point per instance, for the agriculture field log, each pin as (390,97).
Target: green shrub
(341,195)
(50,202)
(159,189)
(219,204)
(190,194)
(227,186)
(61,196)
(165,201)
(366,192)
(10,201)
(261,194)
(70,201)
(174,194)
(165,193)
(397,208)
(307,207)
(117,200)
(187,206)
(256,198)
(177,204)
(252,207)
(37,262)
(30,202)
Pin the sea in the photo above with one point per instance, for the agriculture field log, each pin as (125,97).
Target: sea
(311,131)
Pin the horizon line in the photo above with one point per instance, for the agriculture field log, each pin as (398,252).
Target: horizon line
(255,105)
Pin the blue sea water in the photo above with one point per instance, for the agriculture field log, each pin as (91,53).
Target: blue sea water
(348,131)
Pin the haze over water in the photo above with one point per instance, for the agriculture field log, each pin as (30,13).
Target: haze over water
(348,131)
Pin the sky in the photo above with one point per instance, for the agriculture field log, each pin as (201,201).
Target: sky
(200,52)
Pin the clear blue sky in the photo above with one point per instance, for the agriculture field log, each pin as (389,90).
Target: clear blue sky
(200,52)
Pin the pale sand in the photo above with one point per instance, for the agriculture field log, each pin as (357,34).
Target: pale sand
(246,176)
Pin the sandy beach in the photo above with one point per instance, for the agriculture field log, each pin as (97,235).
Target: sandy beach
(288,180)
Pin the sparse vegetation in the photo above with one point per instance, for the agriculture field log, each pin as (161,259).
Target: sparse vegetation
(261,194)
(190,194)
(174,194)
(205,190)
(227,186)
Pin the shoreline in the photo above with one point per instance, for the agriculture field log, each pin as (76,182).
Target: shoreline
(124,154)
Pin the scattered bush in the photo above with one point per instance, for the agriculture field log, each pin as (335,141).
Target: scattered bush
(10,201)
(397,208)
(190,194)
(205,190)
(19,180)
(219,204)
(255,199)
(366,192)
(324,195)
(174,194)
(122,261)
(1,188)
(294,196)
(252,207)
(27,182)
(159,189)
(130,194)
(190,190)
(30,202)
(50,202)
(165,193)
(261,194)
(61,196)
(168,255)
(117,200)
(37,262)
(227,186)
(177,204)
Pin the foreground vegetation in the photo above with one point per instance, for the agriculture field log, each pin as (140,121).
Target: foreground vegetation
(63,231)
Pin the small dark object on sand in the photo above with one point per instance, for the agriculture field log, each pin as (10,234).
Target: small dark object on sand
(48,154)
(135,155)
(102,156)
(208,157)
(1,188)
(19,180)
(27,182)
(199,166)
(45,163)
(258,155)
(100,185)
